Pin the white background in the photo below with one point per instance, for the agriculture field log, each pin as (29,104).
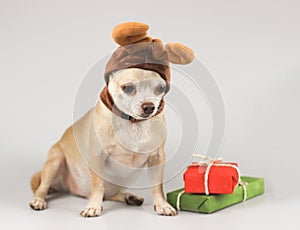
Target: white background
(250,47)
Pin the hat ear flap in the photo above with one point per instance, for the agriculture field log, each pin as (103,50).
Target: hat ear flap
(179,54)
(130,32)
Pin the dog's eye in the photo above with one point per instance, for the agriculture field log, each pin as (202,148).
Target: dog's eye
(160,89)
(128,88)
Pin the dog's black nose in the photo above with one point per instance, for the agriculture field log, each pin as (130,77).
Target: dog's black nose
(148,107)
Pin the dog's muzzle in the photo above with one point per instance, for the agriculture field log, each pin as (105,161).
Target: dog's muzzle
(148,108)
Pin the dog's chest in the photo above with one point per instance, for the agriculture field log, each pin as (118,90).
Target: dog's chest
(140,137)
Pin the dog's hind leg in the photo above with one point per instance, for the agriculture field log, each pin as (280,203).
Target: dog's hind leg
(128,198)
(42,181)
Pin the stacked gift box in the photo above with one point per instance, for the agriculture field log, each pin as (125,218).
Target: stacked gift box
(211,185)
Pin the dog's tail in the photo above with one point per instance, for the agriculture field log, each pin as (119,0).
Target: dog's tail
(35,181)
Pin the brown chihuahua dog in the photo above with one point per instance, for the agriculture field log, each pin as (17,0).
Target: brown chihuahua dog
(125,131)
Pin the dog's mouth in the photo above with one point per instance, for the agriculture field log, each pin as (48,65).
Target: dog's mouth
(144,116)
(144,110)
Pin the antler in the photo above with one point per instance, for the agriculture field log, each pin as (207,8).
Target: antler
(136,32)
(179,54)
(131,32)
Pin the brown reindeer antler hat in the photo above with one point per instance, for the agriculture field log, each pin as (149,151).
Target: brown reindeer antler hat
(138,50)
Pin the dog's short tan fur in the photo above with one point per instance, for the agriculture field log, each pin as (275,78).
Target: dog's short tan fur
(79,160)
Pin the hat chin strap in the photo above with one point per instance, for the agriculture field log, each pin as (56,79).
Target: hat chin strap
(108,101)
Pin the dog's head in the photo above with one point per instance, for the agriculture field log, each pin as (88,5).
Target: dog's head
(137,92)
(138,73)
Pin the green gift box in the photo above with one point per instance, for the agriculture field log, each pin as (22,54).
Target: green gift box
(211,203)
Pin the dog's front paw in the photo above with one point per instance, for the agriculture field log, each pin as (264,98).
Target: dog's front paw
(38,204)
(91,212)
(165,209)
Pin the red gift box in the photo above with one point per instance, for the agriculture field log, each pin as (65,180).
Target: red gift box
(221,178)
